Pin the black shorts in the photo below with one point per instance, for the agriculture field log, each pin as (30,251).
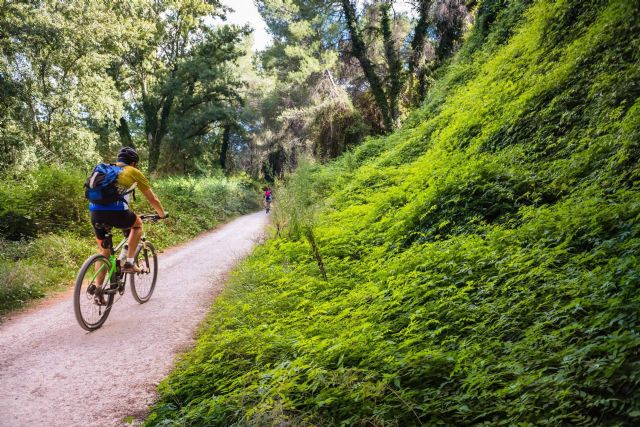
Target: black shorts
(118,219)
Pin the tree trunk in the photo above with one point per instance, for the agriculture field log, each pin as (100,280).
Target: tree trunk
(125,134)
(360,52)
(156,129)
(150,130)
(154,152)
(226,136)
(449,27)
(422,85)
(416,63)
(393,62)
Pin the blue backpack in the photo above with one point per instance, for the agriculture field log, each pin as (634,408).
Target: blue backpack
(100,187)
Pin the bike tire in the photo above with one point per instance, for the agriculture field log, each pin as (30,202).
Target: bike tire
(147,259)
(83,299)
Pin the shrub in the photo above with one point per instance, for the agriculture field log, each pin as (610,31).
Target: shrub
(45,233)
(47,199)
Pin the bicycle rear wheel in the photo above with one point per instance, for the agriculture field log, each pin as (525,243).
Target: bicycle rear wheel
(89,314)
(143,284)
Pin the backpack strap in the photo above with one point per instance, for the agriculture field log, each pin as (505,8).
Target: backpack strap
(92,179)
(131,189)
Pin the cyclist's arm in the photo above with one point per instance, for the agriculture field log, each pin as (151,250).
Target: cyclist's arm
(154,201)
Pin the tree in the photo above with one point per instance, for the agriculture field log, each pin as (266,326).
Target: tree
(179,72)
(439,23)
(52,71)
(359,50)
(308,108)
(417,64)
(339,62)
(80,79)
(438,32)
(208,90)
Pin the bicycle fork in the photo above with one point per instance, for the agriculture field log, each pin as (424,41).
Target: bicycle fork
(145,254)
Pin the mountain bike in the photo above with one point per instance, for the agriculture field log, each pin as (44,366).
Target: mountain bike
(92,300)
(267,204)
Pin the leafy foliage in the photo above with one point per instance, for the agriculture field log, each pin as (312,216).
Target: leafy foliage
(81,79)
(482,260)
(52,61)
(45,229)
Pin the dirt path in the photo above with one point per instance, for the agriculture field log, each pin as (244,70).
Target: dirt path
(52,373)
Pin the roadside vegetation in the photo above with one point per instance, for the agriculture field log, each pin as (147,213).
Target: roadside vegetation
(78,81)
(481,262)
(45,232)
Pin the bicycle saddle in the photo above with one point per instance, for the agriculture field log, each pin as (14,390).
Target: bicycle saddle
(102,226)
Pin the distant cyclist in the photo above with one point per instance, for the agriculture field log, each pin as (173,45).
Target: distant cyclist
(267,198)
(118,214)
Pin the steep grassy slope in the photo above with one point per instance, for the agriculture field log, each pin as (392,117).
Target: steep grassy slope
(482,261)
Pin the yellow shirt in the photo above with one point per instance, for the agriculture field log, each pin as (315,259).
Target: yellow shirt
(131,175)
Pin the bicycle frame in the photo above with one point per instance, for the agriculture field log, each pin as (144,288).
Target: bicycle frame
(112,260)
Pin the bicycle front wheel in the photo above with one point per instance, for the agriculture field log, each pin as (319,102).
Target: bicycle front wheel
(92,279)
(143,283)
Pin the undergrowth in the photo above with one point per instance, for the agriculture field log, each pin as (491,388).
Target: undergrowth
(45,232)
(481,262)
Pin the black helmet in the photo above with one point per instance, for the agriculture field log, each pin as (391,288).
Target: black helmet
(128,155)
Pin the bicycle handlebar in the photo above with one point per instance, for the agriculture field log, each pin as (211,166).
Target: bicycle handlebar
(153,217)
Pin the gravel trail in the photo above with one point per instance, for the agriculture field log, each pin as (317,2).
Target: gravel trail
(53,373)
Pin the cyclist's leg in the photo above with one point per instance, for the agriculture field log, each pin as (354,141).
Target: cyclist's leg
(106,252)
(98,217)
(134,236)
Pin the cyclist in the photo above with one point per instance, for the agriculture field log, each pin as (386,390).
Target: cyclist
(267,198)
(119,215)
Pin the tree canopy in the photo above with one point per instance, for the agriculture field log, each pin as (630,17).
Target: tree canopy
(83,78)
(169,77)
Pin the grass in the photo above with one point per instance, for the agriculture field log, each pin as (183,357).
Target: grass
(481,261)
